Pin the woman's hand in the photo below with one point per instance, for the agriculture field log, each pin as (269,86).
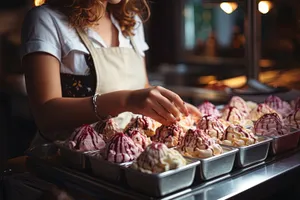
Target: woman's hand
(158,103)
(196,114)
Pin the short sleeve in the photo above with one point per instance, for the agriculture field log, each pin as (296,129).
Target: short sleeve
(140,36)
(39,33)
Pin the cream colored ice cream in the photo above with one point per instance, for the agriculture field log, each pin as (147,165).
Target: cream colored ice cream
(238,136)
(186,122)
(107,128)
(251,105)
(121,148)
(235,116)
(294,119)
(138,137)
(144,123)
(240,104)
(208,108)
(260,110)
(212,126)
(282,107)
(85,138)
(197,144)
(271,125)
(158,158)
(169,135)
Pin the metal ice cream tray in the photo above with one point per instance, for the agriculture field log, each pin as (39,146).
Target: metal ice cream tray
(164,183)
(217,165)
(113,172)
(254,153)
(43,151)
(73,159)
(285,142)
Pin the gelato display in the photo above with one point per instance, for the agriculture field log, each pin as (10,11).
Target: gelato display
(197,144)
(208,108)
(107,128)
(212,126)
(121,148)
(240,104)
(85,138)
(282,107)
(138,137)
(144,123)
(157,158)
(270,125)
(238,136)
(294,119)
(235,116)
(169,135)
(260,110)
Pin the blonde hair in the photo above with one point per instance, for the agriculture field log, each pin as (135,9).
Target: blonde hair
(86,13)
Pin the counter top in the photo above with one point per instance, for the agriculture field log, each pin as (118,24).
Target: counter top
(247,183)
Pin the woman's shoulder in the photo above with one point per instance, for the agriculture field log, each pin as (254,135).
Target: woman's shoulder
(44,13)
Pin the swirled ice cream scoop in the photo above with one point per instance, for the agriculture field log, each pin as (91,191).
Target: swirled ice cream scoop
(186,122)
(107,128)
(144,123)
(240,104)
(85,138)
(208,108)
(169,135)
(158,158)
(270,125)
(238,136)
(260,110)
(294,119)
(295,104)
(138,137)
(197,144)
(282,107)
(121,148)
(235,116)
(212,126)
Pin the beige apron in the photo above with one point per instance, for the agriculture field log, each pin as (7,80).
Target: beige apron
(117,68)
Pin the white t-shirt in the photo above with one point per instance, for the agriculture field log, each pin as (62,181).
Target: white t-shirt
(47,30)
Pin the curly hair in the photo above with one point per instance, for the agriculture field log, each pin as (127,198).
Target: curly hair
(86,13)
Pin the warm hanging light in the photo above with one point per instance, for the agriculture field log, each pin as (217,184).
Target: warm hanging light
(228,7)
(264,6)
(38,2)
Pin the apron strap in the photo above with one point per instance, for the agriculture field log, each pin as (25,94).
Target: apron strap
(133,44)
(86,41)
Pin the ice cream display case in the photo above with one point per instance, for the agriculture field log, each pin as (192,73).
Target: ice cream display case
(227,152)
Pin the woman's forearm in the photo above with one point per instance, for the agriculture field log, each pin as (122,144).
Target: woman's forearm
(69,113)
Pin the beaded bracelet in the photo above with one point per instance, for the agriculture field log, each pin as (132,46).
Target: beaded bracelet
(96,108)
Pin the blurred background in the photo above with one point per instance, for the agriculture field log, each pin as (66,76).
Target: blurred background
(194,44)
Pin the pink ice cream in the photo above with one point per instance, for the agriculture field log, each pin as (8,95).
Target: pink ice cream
(270,125)
(158,158)
(212,126)
(138,137)
(240,104)
(85,138)
(238,136)
(282,107)
(107,128)
(294,119)
(208,108)
(260,110)
(121,149)
(295,104)
(197,144)
(144,123)
(169,135)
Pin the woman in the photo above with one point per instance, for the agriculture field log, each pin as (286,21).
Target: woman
(84,62)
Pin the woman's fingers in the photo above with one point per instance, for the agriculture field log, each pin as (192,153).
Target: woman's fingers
(162,112)
(157,117)
(175,99)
